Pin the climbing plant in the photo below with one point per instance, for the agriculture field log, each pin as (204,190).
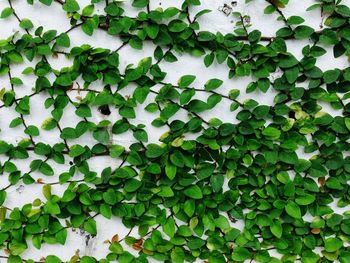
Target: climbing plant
(181,197)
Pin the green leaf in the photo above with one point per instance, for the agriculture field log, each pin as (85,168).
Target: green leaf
(343,10)
(113,9)
(47,191)
(197,106)
(177,255)
(194,192)
(140,135)
(305,199)
(49,35)
(271,132)
(116,247)
(217,181)
(28,70)
(177,26)
(186,80)
(222,223)
(64,80)
(189,207)
(17,248)
(3,212)
(347,123)
(116,150)
(32,130)
(46,169)
(169,227)
(15,57)
(152,30)
(195,243)
(140,3)
(52,259)
(241,254)
(14,259)
(140,94)
(333,183)
(110,197)
(292,74)
(61,236)
(63,40)
(26,24)
(15,122)
(331,76)
(90,226)
(16,81)
(302,32)
(169,110)
(293,210)
(283,177)
(126,257)
(209,59)
(166,191)
(205,36)
(76,150)
(49,124)
(6,12)
(106,211)
(46,2)
(3,195)
(288,61)
(132,185)
(71,6)
(52,208)
(276,229)
(295,20)
(101,135)
(127,112)
(154,151)
(88,10)
(213,84)
(333,244)
(170,171)
(89,26)
(103,98)
(4,147)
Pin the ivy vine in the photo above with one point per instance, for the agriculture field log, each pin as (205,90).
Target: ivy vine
(181,198)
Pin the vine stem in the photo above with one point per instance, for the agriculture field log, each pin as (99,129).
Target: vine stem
(60,2)
(15,14)
(279,11)
(16,102)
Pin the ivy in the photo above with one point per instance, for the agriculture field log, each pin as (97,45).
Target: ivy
(279,169)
